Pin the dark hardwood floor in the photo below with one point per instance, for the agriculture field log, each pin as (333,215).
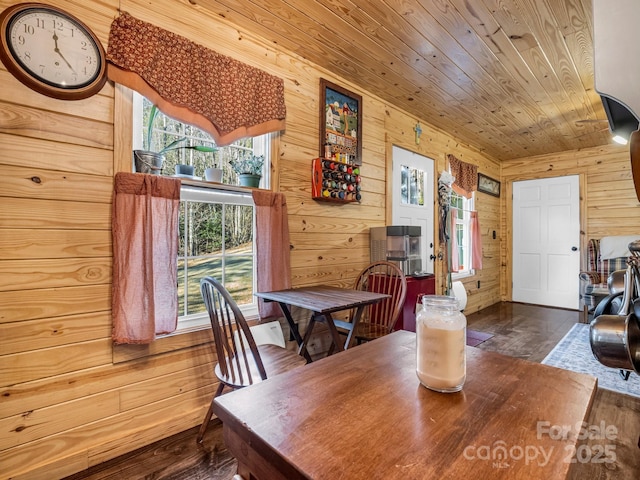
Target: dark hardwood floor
(524,331)
(519,330)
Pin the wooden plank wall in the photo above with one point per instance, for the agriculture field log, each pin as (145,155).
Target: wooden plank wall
(68,401)
(609,205)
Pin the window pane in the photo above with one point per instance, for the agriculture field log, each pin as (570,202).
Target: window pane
(189,298)
(204,228)
(239,278)
(404,184)
(167,130)
(218,241)
(238,221)
(412,185)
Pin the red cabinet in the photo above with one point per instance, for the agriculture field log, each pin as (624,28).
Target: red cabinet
(415,286)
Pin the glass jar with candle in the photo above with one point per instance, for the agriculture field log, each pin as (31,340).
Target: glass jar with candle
(441,340)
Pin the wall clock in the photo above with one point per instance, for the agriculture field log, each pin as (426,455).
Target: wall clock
(51,51)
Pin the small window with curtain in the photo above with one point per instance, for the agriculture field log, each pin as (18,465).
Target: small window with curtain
(460,211)
(216,226)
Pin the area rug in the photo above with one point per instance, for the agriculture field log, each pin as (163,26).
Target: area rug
(475,338)
(574,353)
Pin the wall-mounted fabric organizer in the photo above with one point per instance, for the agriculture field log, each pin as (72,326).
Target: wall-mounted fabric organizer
(334,181)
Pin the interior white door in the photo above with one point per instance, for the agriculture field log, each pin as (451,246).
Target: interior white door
(412,197)
(546,235)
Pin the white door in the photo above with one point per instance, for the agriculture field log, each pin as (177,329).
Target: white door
(412,197)
(546,235)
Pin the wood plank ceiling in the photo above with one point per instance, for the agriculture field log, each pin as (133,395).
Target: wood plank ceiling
(512,78)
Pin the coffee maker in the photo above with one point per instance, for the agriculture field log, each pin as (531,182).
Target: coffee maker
(399,244)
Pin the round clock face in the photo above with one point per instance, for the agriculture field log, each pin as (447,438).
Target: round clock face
(51,51)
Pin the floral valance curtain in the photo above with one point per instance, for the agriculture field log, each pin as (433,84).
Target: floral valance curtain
(193,84)
(145,250)
(466,176)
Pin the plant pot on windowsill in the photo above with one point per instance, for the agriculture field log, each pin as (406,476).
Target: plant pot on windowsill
(148,162)
(249,170)
(249,180)
(213,174)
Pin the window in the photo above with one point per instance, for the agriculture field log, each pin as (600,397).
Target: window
(167,131)
(216,226)
(216,239)
(461,207)
(412,186)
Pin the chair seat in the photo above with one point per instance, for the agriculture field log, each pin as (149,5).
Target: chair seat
(241,361)
(366,331)
(279,360)
(276,360)
(370,331)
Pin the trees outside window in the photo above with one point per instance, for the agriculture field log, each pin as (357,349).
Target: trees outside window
(216,226)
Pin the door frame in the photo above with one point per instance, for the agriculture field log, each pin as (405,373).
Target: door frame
(438,164)
(508,218)
(400,156)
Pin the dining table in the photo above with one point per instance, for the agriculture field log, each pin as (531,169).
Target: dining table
(323,301)
(363,414)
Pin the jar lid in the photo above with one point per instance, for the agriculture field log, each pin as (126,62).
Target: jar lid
(443,301)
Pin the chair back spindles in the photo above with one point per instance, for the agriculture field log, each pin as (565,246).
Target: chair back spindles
(240,361)
(379,319)
(238,358)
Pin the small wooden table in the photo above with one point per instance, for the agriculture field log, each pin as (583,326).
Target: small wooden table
(362,414)
(322,300)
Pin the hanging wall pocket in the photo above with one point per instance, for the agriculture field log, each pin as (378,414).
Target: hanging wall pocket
(335,181)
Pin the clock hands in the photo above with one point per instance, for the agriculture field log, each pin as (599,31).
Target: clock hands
(57,50)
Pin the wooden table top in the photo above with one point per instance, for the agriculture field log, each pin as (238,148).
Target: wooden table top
(323,298)
(362,414)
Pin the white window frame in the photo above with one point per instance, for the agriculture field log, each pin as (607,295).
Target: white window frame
(467,208)
(211,194)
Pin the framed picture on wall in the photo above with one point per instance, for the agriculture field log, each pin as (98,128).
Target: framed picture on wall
(340,123)
(488,185)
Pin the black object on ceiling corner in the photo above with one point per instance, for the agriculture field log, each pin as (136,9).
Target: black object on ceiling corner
(621,120)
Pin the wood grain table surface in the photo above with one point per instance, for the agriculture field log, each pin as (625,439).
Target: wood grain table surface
(322,300)
(362,414)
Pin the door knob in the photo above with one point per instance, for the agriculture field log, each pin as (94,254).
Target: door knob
(432,257)
(573,249)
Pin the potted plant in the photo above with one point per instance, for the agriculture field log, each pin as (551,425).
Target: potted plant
(148,161)
(249,169)
(213,173)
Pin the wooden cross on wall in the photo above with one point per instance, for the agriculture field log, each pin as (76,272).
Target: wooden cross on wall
(418,130)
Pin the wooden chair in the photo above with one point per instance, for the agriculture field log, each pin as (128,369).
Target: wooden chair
(241,362)
(378,319)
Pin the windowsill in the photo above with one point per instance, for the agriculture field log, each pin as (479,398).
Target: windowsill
(460,276)
(218,186)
